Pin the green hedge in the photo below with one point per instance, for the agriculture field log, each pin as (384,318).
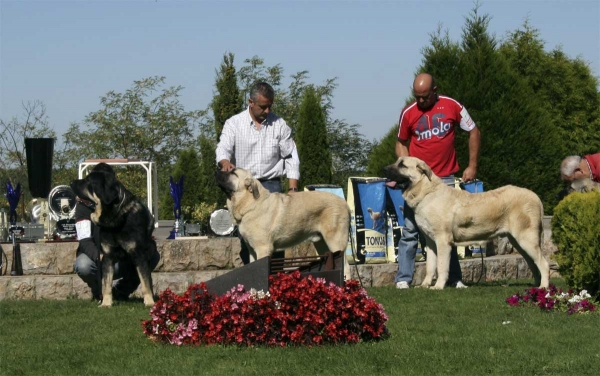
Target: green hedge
(576,233)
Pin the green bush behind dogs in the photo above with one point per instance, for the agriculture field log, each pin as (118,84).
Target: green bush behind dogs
(576,233)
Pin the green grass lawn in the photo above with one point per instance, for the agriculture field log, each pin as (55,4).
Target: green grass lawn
(456,332)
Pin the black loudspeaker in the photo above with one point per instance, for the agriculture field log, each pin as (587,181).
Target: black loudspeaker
(39,165)
(254,275)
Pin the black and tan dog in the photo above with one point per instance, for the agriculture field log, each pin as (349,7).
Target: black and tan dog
(126,226)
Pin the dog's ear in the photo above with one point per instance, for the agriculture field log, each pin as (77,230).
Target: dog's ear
(422,166)
(252,186)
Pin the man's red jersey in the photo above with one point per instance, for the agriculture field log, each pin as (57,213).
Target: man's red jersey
(593,161)
(431,133)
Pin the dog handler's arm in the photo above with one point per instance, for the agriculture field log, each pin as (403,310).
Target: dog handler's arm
(470,172)
(293,183)
(404,135)
(226,147)
(291,160)
(401,148)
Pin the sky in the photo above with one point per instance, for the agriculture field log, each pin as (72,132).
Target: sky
(68,54)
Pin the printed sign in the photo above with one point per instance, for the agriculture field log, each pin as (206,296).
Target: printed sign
(367,202)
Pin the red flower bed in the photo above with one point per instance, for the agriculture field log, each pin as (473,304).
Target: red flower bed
(296,311)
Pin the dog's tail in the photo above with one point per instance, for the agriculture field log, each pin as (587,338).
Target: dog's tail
(541,229)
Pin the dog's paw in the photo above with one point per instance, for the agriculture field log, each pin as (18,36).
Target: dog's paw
(107,301)
(423,286)
(437,287)
(148,302)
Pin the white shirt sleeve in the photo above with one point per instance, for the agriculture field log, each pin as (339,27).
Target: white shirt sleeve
(226,144)
(289,152)
(466,122)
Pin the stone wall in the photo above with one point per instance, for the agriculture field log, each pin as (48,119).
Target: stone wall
(48,267)
(57,258)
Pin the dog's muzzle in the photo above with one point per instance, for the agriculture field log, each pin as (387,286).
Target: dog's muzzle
(395,180)
(222,180)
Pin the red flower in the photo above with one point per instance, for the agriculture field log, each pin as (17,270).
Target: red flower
(298,310)
(552,299)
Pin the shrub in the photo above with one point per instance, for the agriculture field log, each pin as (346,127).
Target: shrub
(576,233)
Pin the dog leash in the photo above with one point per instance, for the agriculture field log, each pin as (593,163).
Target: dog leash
(354,256)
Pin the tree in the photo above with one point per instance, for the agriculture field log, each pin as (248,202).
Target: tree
(255,71)
(136,125)
(517,134)
(209,192)
(145,123)
(383,153)
(313,148)
(13,160)
(227,101)
(349,151)
(503,91)
(67,156)
(567,87)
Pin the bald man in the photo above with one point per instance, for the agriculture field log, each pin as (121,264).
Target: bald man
(576,167)
(426,130)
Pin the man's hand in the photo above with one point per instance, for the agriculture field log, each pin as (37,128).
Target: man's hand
(226,165)
(469,174)
(293,185)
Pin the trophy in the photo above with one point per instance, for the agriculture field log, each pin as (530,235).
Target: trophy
(62,201)
(176,193)
(13,196)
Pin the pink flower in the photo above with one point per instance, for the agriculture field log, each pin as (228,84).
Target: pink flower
(296,310)
(553,299)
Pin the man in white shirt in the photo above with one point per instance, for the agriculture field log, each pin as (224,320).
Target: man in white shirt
(260,142)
